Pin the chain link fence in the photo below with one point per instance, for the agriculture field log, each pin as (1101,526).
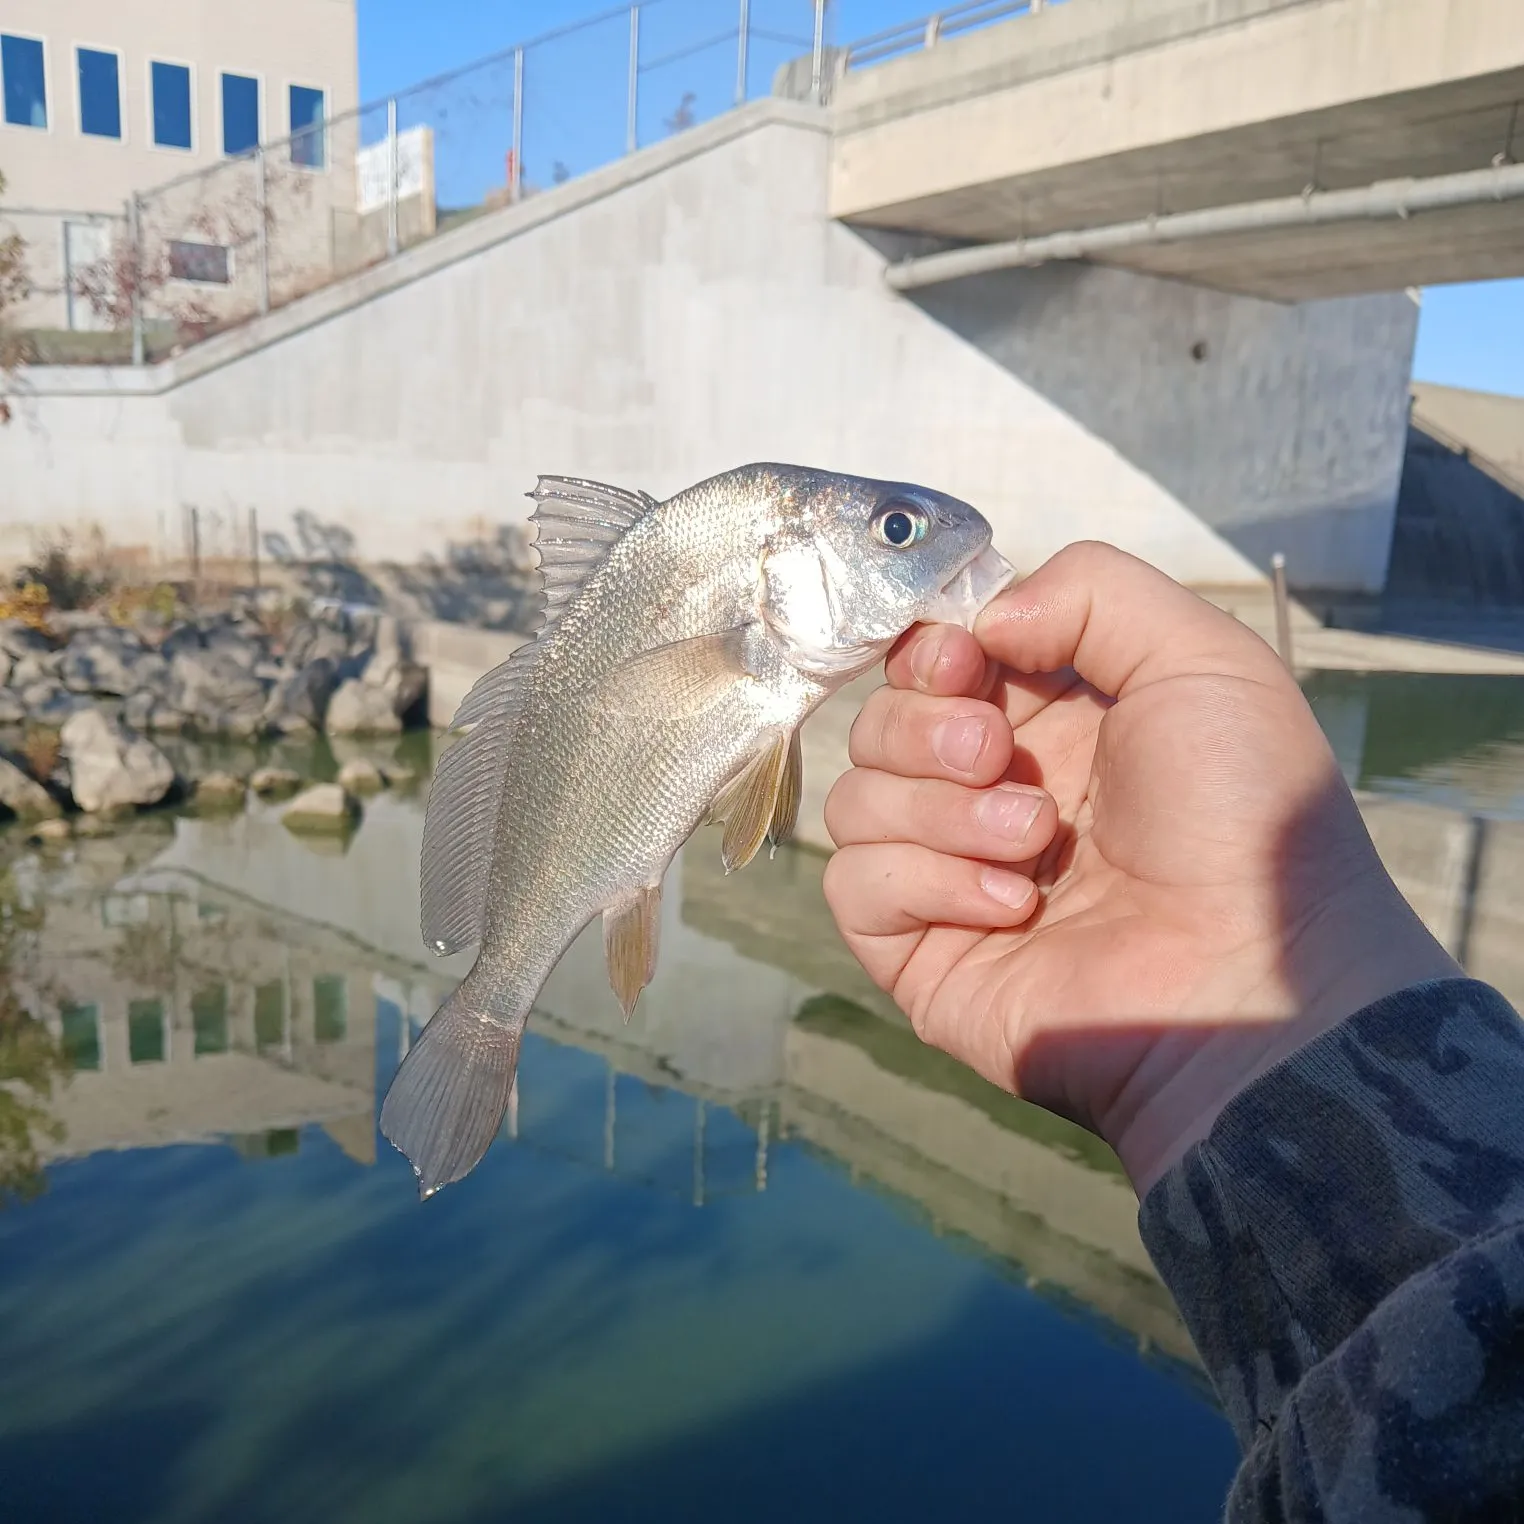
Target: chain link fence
(249,234)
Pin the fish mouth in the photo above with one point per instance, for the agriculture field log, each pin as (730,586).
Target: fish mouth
(965,597)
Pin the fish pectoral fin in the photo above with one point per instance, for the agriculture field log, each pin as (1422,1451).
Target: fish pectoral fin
(630,931)
(749,803)
(786,807)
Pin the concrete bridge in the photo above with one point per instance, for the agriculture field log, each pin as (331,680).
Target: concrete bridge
(1081,117)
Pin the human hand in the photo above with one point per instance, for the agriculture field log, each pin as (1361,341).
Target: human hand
(1104,855)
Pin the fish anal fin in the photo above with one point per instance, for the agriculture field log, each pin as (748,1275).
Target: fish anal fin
(790,790)
(630,935)
(747,803)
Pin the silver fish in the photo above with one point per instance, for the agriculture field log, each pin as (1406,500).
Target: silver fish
(682,645)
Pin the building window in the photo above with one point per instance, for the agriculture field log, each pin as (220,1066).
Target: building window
(170,85)
(82,1036)
(23,79)
(240,114)
(309,146)
(330,1008)
(145,1031)
(208,264)
(270,1016)
(100,92)
(209,1019)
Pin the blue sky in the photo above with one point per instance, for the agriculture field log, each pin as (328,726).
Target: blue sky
(574,115)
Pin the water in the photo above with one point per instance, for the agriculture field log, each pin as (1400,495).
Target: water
(757,1255)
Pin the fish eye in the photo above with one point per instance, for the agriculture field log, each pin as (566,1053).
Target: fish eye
(900,523)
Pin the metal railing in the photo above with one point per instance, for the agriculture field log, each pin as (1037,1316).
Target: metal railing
(928,31)
(236,239)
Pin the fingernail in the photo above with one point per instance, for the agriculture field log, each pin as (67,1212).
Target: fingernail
(957,743)
(1008,889)
(1007,812)
(924,656)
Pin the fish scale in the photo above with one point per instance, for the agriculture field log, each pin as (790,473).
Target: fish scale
(683,643)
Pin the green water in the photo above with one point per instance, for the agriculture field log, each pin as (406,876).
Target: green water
(757,1255)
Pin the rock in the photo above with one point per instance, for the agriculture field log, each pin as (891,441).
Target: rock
(182,636)
(358,776)
(111,765)
(137,712)
(48,704)
(359,708)
(50,832)
(399,775)
(271,782)
(97,825)
(216,692)
(323,808)
(166,719)
(18,639)
(299,702)
(12,710)
(221,791)
(34,667)
(110,661)
(25,796)
(7,662)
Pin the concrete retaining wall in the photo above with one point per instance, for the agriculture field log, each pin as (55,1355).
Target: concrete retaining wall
(686,310)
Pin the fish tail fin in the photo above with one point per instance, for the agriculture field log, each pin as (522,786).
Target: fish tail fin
(446,1102)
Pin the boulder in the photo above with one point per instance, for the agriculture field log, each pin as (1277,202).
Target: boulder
(359,776)
(18,639)
(25,796)
(220,791)
(110,661)
(360,708)
(216,692)
(110,765)
(34,667)
(12,710)
(272,782)
(166,719)
(324,808)
(299,702)
(137,712)
(50,832)
(48,704)
(399,775)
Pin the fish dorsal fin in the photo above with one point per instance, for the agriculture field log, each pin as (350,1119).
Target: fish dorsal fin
(460,821)
(576,524)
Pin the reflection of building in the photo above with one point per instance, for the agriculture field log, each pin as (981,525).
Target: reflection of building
(189,1015)
(102,100)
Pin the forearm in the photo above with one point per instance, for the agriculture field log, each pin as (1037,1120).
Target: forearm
(1347,1248)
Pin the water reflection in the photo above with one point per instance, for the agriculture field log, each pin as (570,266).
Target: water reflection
(757,1250)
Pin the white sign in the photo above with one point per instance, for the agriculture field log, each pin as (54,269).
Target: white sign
(373,164)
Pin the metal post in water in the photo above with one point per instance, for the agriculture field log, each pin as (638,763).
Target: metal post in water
(761,1162)
(254,545)
(393,238)
(631,132)
(817,54)
(516,178)
(743,37)
(135,236)
(1282,608)
(195,546)
(699,1118)
(608,1118)
(262,233)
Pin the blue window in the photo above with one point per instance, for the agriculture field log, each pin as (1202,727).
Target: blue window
(171,87)
(23,76)
(240,114)
(100,93)
(308,145)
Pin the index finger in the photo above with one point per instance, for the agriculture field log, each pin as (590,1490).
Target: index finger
(1120,623)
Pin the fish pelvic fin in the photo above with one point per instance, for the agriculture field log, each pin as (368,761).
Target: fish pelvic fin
(446,1102)
(630,934)
(786,808)
(749,803)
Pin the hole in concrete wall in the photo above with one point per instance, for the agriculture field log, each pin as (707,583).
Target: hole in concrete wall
(1199,351)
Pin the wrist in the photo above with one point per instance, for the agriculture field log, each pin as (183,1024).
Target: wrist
(1362,949)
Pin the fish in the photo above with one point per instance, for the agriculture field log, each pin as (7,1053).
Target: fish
(681,646)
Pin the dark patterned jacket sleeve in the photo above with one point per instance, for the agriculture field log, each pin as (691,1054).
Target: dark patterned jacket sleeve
(1347,1249)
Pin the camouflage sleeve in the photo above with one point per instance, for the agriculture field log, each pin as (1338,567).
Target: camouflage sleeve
(1347,1249)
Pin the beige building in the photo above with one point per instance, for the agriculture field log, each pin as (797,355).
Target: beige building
(105,99)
